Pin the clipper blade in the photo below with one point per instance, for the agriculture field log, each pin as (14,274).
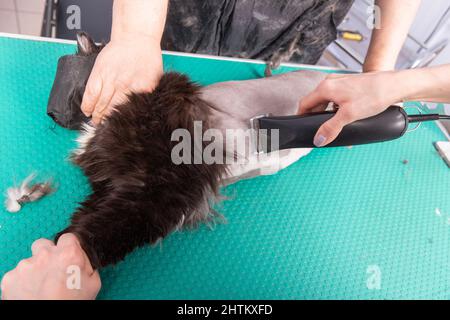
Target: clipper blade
(257,143)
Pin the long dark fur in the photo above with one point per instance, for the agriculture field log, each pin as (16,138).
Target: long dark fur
(139,195)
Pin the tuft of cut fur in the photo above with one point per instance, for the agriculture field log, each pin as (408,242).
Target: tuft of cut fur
(139,195)
(26,192)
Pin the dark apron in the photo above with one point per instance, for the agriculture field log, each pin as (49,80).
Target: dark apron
(294,30)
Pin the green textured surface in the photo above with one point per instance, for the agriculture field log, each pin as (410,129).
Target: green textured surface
(310,231)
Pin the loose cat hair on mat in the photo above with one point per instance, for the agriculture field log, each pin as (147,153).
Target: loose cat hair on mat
(26,192)
(138,194)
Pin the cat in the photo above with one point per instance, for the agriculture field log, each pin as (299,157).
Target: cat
(139,195)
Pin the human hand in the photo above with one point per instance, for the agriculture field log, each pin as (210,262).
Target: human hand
(128,63)
(358,96)
(54,272)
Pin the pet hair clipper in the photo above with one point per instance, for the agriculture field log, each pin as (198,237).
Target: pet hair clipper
(271,133)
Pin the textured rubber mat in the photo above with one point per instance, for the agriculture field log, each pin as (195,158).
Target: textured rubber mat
(363,222)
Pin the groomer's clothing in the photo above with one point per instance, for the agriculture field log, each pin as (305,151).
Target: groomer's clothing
(295,30)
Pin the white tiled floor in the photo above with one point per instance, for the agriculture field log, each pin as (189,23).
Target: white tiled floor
(21,16)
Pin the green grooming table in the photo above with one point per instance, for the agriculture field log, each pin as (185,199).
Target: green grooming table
(328,227)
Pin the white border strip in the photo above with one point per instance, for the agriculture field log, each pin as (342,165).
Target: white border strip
(253,61)
(35,38)
(173,53)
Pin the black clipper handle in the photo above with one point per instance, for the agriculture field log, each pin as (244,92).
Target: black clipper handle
(299,131)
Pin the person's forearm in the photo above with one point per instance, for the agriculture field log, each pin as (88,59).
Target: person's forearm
(387,41)
(139,17)
(427,84)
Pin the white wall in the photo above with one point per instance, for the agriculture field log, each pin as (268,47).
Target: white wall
(426,20)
